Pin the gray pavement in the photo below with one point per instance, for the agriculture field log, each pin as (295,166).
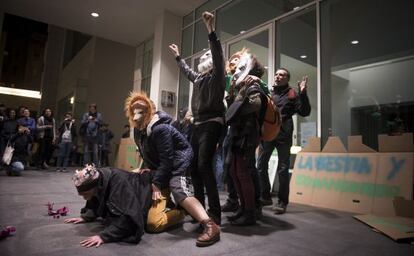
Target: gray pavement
(303,230)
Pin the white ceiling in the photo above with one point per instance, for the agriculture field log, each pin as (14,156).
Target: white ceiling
(125,21)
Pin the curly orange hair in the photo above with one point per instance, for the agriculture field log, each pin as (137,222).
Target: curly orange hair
(231,69)
(138,99)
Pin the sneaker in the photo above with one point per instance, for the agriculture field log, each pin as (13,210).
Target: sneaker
(58,170)
(210,235)
(280,208)
(64,170)
(230,206)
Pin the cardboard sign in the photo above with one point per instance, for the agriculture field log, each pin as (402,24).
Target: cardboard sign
(395,178)
(128,158)
(361,181)
(397,228)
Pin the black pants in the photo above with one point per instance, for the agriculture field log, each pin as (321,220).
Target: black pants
(204,141)
(46,150)
(283,152)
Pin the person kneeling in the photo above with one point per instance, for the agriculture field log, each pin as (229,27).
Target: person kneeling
(168,155)
(121,198)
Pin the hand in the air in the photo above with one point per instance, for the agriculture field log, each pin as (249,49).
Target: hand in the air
(174,50)
(208,19)
(303,84)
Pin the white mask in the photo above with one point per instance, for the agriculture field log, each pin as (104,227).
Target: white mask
(206,62)
(243,68)
(138,114)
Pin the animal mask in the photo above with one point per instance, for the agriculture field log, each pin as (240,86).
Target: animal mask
(138,110)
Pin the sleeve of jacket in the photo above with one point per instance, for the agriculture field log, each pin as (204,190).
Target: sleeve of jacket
(217,53)
(85,118)
(40,124)
(120,227)
(302,105)
(165,148)
(186,70)
(88,213)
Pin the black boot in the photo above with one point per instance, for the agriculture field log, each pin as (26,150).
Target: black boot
(236,215)
(248,218)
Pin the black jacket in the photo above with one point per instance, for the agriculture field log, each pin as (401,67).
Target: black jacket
(65,125)
(164,149)
(123,201)
(289,102)
(208,89)
(9,129)
(245,117)
(20,141)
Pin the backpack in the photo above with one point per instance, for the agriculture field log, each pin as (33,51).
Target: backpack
(270,119)
(67,135)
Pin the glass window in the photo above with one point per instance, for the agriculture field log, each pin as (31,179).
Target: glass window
(188,19)
(187,41)
(201,37)
(296,51)
(183,91)
(367,72)
(208,6)
(258,45)
(241,15)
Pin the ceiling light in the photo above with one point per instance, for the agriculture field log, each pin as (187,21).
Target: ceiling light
(20,92)
(95,14)
(355,42)
(242,32)
(303,56)
(295,8)
(72,100)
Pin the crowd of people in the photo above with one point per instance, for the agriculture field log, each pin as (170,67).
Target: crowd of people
(185,162)
(37,141)
(224,128)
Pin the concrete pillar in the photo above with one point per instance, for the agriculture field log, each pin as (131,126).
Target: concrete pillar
(2,41)
(53,65)
(164,76)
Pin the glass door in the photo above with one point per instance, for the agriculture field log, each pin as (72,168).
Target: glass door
(259,43)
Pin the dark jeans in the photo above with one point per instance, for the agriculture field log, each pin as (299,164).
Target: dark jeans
(46,149)
(64,152)
(242,168)
(231,189)
(204,141)
(283,152)
(88,149)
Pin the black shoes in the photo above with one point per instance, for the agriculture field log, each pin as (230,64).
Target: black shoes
(280,208)
(266,201)
(247,218)
(230,206)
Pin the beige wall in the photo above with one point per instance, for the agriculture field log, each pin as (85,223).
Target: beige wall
(102,72)
(164,67)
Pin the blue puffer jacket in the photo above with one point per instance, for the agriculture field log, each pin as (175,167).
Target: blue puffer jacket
(164,149)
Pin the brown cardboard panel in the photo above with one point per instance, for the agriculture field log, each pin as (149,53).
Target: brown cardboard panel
(128,158)
(334,145)
(326,189)
(394,178)
(301,184)
(314,145)
(402,143)
(357,193)
(403,207)
(355,145)
(396,228)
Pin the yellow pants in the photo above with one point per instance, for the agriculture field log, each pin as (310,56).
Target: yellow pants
(159,219)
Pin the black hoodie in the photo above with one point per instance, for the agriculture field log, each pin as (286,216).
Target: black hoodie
(164,149)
